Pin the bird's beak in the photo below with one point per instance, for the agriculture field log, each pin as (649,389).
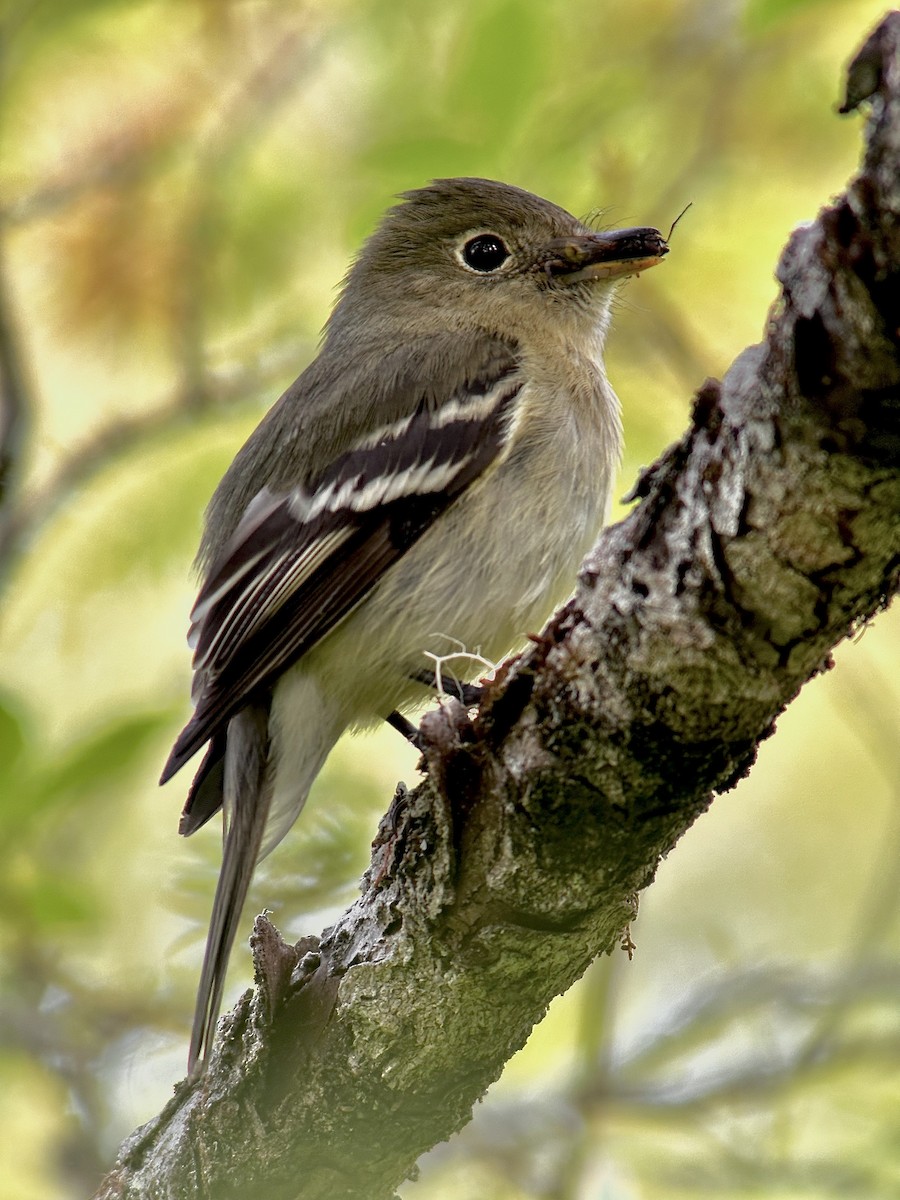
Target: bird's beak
(605,255)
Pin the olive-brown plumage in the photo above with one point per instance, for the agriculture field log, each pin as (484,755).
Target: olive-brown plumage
(432,480)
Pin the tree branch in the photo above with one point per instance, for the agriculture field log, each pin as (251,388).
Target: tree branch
(762,538)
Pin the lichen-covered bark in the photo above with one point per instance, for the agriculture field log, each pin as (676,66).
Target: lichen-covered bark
(765,536)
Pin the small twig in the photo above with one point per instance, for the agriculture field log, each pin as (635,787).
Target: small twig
(16,403)
(49,199)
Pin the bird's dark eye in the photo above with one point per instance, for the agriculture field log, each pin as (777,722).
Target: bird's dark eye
(485,253)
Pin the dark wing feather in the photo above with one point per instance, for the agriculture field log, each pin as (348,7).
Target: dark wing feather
(204,799)
(298,564)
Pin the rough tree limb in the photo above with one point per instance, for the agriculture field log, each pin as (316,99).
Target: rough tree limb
(764,537)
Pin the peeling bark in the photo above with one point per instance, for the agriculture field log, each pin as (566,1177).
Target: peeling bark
(766,535)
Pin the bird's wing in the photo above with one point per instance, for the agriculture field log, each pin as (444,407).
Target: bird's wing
(299,563)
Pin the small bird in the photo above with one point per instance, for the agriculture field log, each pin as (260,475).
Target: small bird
(432,480)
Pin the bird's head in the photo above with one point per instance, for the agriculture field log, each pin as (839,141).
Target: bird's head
(473,253)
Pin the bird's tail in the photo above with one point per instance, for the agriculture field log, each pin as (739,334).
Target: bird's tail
(247,795)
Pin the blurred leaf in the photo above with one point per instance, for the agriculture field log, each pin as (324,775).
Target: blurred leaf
(55,901)
(38,26)
(13,735)
(101,761)
(254,227)
(499,62)
(761,16)
(418,159)
(53,16)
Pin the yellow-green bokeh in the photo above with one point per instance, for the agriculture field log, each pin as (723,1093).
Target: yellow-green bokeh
(184,184)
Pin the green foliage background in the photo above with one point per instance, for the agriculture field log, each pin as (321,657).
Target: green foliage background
(183,183)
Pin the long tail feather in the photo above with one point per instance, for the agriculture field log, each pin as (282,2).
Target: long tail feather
(247,794)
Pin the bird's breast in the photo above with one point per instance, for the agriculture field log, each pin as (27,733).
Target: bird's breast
(497,561)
